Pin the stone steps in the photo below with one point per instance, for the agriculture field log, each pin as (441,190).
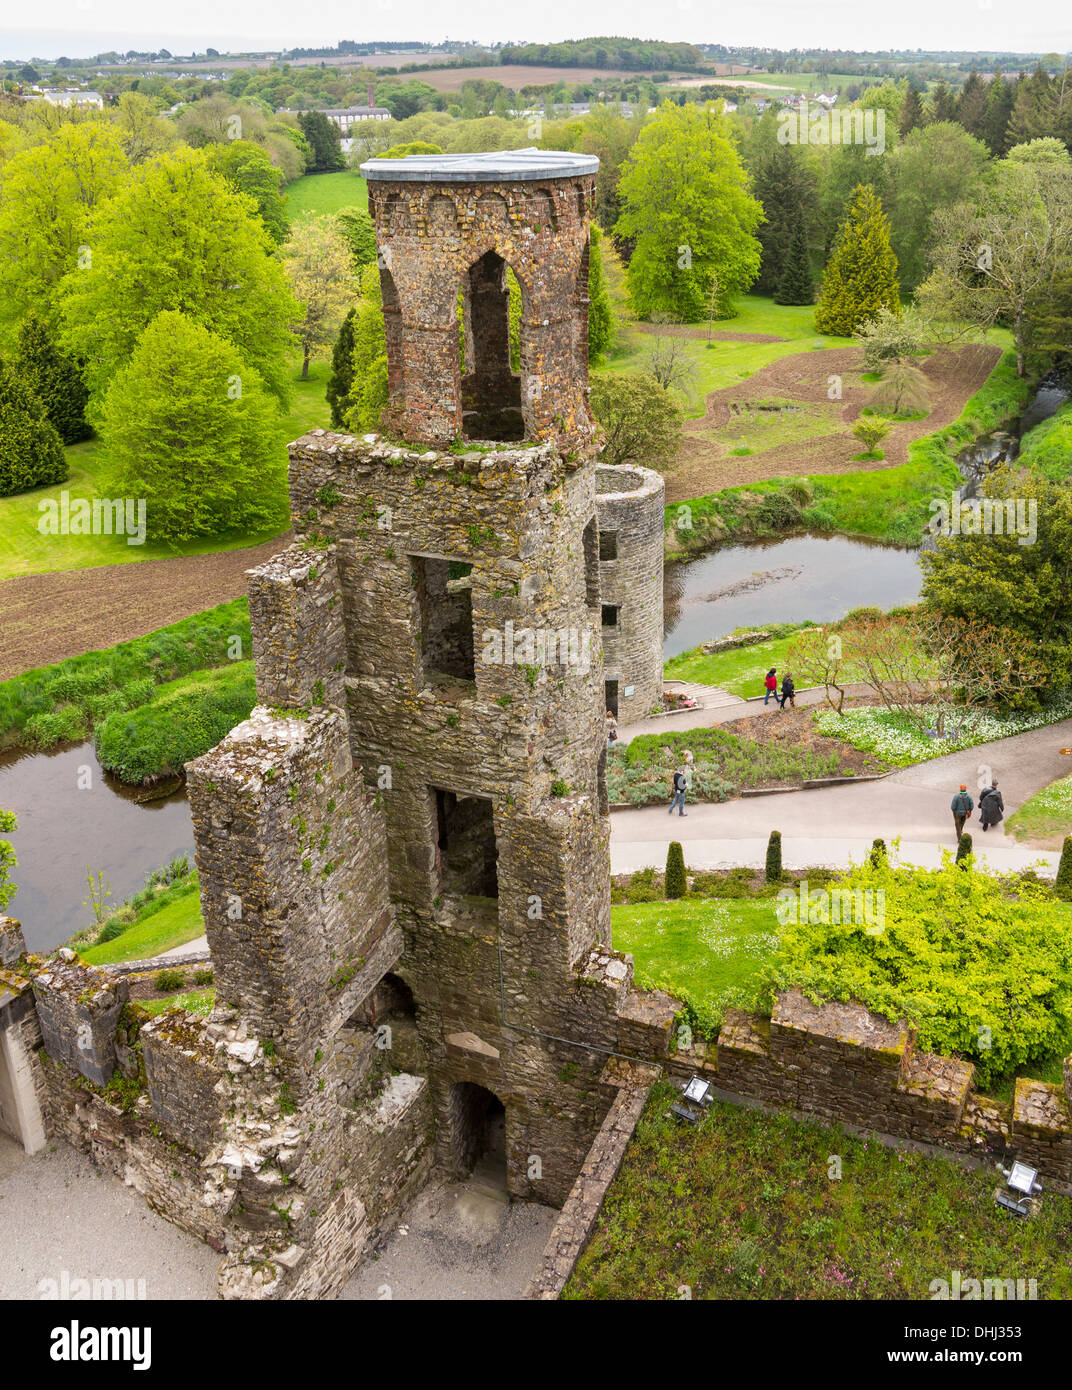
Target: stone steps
(706,696)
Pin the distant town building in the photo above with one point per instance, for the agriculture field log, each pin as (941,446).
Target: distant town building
(68,96)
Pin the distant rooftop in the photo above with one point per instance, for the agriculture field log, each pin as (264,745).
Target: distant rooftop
(500,166)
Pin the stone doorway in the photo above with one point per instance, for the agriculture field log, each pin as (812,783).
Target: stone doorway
(478,1126)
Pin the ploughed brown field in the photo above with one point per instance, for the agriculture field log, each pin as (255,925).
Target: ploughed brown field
(48,617)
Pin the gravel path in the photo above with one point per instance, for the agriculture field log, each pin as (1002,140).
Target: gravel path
(57,1214)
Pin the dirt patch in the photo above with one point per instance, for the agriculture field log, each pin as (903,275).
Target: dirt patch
(795,728)
(705,464)
(48,617)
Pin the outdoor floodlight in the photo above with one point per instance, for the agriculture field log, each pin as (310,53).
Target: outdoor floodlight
(1023,1180)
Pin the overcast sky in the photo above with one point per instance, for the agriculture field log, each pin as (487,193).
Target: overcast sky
(79,28)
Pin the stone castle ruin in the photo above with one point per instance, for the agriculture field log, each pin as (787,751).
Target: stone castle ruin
(404,851)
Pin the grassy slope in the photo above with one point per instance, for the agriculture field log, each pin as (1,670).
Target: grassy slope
(196,1001)
(739,671)
(23,550)
(707,953)
(194,644)
(174,924)
(1048,447)
(745,1206)
(326,193)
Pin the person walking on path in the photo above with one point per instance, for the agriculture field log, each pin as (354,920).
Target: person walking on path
(991,805)
(612,728)
(789,691)
(771,684)
(962,806)
(681,786)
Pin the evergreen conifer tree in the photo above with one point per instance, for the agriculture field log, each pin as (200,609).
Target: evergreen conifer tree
(342,371)
(861,274)
(53,377)
(796,285)
(31,452)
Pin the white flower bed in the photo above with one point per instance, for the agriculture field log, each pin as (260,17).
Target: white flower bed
(874,729)
(1056,799)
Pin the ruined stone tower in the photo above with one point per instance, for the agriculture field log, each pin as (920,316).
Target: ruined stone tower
(404,853)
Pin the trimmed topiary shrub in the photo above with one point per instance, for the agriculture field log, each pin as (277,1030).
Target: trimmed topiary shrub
(964,848)
(774,857)
(878,854)
(676,885)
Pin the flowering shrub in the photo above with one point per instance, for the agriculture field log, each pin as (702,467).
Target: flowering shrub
(875,729)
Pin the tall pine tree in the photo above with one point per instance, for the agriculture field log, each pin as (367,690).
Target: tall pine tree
(53,377)
(785,184)
(796,285)
(861,274)
(999,99)
(911,112)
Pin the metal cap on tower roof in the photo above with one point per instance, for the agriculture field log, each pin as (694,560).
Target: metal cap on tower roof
(496,166)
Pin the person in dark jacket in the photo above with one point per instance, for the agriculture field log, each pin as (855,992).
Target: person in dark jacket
(991,805)
(789,691)
(771,683)
(681,786)
(962,806)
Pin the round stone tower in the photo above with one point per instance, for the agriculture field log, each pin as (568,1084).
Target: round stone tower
(629,514)
(449,228)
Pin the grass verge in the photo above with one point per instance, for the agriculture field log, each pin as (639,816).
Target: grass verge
(1046,816)
(741,669)
(162,916)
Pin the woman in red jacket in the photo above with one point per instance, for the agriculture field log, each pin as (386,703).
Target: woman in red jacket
(772,686)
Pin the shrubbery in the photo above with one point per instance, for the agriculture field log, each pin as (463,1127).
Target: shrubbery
(983,970)
(31,451)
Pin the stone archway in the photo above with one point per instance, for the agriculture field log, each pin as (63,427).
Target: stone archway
(478,1135)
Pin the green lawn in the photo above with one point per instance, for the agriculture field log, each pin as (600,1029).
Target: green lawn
(707,952)
(1046,816)
(739,671)
(326,193)
(178,921)
(750,1206)
(24,550)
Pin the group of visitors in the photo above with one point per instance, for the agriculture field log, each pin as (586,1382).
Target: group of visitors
(991,807)
(789,690)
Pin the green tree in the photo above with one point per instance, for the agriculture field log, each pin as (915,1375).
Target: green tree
(861,274)
(996,113)
(773,870)
(600,311)
(324,139)
(360,232)
(187,425)
(341,381)
(317,258)
(1062,885)
(49,194)
(871,430)
(675,883)
(687,204)
(249,169)
(642,421)
(178,236)
(53,377)
(31,452)
(8,823)
(935,166)
(911,112)
(610,136)
(993,579)
(142,132)
(786,186)
(368,391)
(796,285)
(996,255)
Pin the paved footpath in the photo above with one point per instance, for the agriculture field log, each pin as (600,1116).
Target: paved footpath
(833,826)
